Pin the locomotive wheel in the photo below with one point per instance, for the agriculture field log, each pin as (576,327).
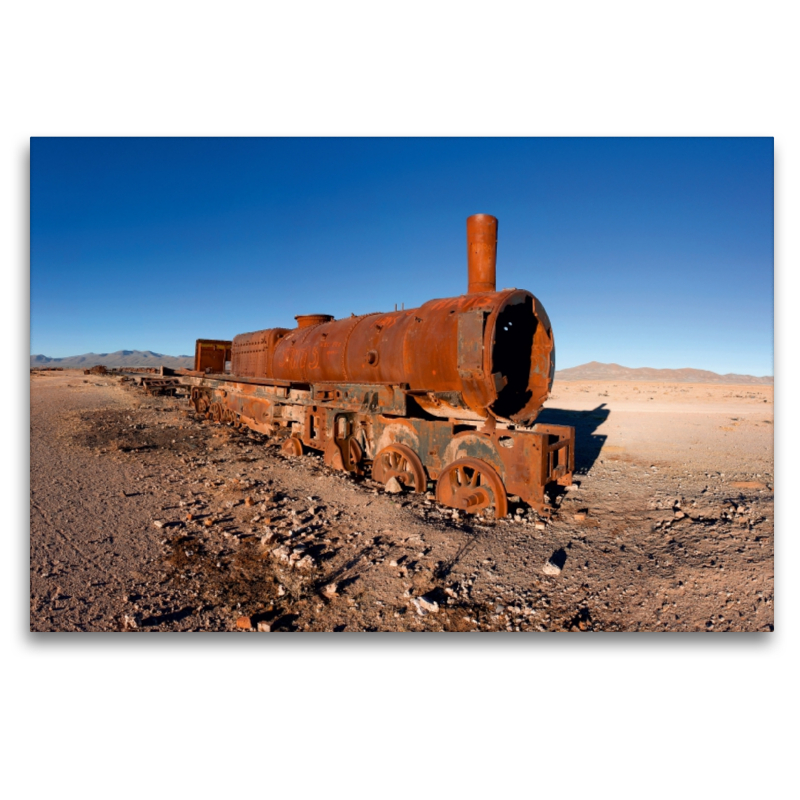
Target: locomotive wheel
(292,447)
(216,412)
(472,485)
(401,462)
(201,404)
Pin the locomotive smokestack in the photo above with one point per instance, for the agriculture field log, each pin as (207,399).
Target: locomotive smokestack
(481,253)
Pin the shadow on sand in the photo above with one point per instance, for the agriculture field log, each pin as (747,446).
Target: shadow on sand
(587,443)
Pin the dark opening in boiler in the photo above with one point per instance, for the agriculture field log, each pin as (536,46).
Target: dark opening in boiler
(516,325)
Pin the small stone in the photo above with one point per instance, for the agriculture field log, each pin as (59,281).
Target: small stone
(579,517)
(267,537)
(281,590)
(679,514)
(263,627)
(393,563)
(540,526)
(189,517)
(573,487)
(393,486)
(551,569)
(208,522)
(331,590)
(244,623)
(425,606)
(305,564)
(159,523)
(248,501)
(282,553)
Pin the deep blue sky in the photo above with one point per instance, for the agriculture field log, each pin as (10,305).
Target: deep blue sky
(645,252)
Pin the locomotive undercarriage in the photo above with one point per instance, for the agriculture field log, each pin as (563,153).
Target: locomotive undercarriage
(474,464)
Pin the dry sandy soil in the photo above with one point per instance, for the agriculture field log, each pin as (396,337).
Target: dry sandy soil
(146,518)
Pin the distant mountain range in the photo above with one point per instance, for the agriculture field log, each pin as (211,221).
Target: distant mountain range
(595,371)
(121,358)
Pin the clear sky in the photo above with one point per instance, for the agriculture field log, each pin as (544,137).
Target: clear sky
(645,252)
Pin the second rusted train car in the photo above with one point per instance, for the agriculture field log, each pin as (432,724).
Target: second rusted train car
(448,392)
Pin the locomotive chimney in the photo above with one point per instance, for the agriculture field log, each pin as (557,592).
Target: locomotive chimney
(481,253)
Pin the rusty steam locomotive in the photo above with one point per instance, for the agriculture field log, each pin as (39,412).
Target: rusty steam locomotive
(447,392)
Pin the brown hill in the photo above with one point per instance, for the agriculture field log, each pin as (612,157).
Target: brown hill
(595,371)
(121,358)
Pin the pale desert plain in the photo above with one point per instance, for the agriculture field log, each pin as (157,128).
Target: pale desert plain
(145,517)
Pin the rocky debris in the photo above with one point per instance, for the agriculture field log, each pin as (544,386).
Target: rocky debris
(282,554)
(263,627)
(159,523)
(393,486)
(425,606)
(305,564)
(244,623)
(331,590)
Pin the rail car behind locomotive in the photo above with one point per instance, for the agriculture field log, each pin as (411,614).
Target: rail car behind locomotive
(447,392)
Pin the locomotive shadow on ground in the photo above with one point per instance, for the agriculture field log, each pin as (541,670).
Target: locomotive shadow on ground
(588,444)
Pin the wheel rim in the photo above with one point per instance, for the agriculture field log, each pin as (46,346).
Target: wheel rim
(292,447)
(472,485)
(401,462)
(216,412)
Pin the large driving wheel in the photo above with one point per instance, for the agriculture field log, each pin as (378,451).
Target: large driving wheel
(401,462)
(472,485)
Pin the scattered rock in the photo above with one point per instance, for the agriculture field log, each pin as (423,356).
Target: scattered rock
(679,514)
(267,537)
(263,627)
(550,568)
(208,522)
(331,590)
(248,501)
(305,564)
(244,623)
(425,606)
(393,486)
(540,526)
(159,523)
(579,517)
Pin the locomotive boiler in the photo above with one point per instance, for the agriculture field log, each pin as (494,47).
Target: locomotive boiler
(448,392)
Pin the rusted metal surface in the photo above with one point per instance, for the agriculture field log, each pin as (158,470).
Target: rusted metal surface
(212,355)
(447,392)
(481,253)
(464,357)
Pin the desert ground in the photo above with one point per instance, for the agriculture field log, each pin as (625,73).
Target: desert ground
(145,517)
